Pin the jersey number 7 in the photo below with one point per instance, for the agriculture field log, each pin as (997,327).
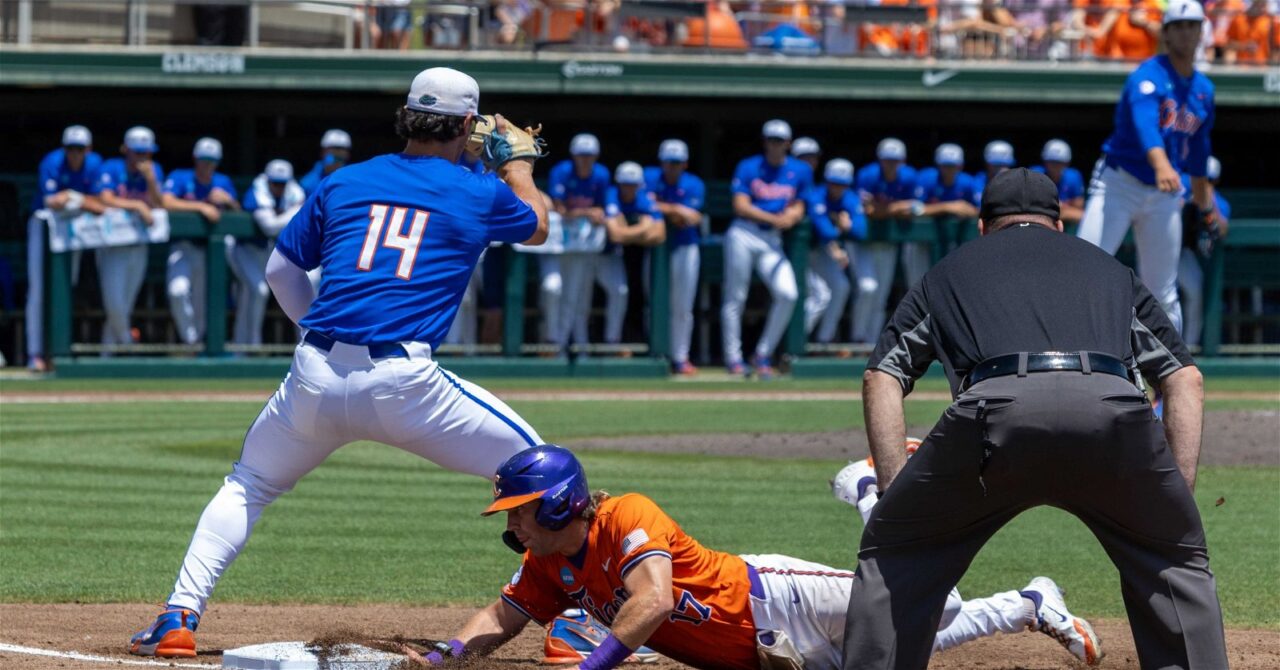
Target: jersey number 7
(394,239)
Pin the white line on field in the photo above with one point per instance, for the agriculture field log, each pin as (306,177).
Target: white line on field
(77,656)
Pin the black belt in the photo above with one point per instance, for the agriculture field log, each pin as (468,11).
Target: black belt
(1050,361)
(387,350)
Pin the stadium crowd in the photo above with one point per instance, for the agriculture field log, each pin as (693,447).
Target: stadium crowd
(597,215)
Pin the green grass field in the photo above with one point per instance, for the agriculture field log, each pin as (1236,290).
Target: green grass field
(98,501)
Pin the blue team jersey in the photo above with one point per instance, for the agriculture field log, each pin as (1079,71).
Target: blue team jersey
(930,189)
(872,184)
(688,191)
(471,163)
(1160,108)
(1070,185)
(772,188)
(56,176)
(114,176)
(565,185)
(822,208)
(398,237)
(641,204)
(312,180)
(183,184)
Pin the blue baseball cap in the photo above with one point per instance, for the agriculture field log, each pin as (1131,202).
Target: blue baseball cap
(140,139)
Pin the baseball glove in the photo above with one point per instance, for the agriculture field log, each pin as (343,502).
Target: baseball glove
(495,149)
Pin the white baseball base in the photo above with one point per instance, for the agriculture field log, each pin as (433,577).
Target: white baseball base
(295,656)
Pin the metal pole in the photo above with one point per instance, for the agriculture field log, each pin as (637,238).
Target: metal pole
(660,301)
(254,18)
(142,22)
(24,22)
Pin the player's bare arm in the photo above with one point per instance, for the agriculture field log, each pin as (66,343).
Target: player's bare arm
(138,207)
(1167,179)
(792,215)
(651,601)
(491,628)
(221,198)
(886,424)
(1072,210)
(176,204)
(743,207)
(154,196)
(1183,419)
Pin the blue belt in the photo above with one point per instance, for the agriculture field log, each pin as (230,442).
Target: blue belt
(385,350)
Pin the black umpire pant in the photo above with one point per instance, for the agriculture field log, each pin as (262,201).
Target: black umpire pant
(1087,444)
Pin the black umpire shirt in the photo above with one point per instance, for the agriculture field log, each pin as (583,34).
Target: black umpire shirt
(1026,288)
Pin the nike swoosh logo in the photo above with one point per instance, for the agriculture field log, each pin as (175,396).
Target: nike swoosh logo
(931,79)
(795,596)
(606,563)
(1064,617)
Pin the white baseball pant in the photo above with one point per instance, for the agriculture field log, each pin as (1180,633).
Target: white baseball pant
(828,292)
(686,262)
(748,246)
(327,400)
(121,271)
(578,272)
(808,603)
(1191,281)
(874,265)
(185,285)
(611,275)
(1118,200)
(550,292)
(248,262)
(464,330)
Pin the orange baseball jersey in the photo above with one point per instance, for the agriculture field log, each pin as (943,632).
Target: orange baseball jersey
(710,625)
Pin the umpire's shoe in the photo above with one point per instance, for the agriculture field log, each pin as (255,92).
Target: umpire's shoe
(1053,619)
(172,634)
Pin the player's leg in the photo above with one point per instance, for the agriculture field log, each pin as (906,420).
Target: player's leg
(775,269)
(256,291)
(817,293)
(199,290)
(737,279)
(574,268)
(1157,233)
(915,261)
(877,262)
(550,290)
(837,282)
(178,285)
(966,620)
(37,233)
(803,604)
(1114,199)
(296,430)
(1191,281)
(446,419)
(685,264)
(611,274)
(118,269)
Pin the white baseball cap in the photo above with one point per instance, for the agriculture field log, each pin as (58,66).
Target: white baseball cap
(279,171)
(140,139)
(77,136)
(1213,169)
(805,146)
(1056,151)
(998,152)
(629,172)
(335,139)
(584,144)
(838,171)
(776,129)
(948,154)
(891,149)
(444,90)
(673,151)
(207,149)
(1183,10)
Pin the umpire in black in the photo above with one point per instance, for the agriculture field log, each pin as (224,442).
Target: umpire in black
(1045,340)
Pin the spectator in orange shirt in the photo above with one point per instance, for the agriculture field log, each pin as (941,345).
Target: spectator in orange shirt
(1248,37)
(1136,33)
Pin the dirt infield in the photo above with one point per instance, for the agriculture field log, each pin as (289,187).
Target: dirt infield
(103,630)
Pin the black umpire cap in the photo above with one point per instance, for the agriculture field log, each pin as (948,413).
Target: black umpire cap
(1019,191)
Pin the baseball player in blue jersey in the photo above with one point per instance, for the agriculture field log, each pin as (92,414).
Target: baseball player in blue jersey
(807,150)
(398,237)
(1197,247)
(835,210)
(631,218)
(768,197)
(998,157)
(273,199)
(887,188)
(1162,126)
(679,196)
(131,183)
(335,152)
(578,187)
(1057,165)
(946,192)
(67,184)
(207,192)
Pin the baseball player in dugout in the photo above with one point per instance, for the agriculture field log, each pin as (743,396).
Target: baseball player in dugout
(1162,125)
(1042,383)
(679,196)
(768,198)
(628,564)
(392,284)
